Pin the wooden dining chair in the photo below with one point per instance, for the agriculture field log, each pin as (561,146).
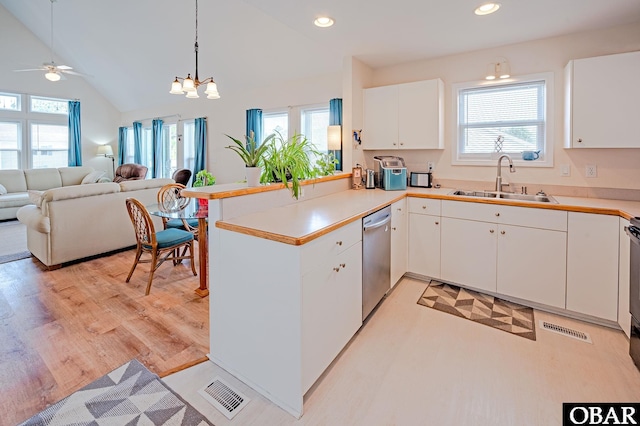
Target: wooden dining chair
(163,245)
(170,199)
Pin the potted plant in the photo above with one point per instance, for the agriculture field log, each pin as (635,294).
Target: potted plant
(203,178)
(252,155)
(289,161)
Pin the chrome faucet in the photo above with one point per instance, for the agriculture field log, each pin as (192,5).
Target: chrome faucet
(499,175)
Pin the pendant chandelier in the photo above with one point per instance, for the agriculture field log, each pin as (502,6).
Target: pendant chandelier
(190,85)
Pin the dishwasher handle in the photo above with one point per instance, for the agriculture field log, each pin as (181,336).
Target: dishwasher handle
(378,224)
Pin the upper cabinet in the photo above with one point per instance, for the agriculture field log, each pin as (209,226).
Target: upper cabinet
(404,116)
(601,102)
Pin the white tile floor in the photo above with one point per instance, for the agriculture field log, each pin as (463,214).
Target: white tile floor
(412,365)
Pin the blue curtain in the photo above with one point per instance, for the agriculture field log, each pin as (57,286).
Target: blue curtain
(75,138)
(137,142)
(122,145)
(254,123)
(200,160)
(157,151)
(335,118)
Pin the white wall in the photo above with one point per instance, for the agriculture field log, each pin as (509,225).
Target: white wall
(20,49)
(227,115)
(617,168)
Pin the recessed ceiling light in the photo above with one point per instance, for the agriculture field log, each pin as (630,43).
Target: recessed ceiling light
(323,21)
(487,8)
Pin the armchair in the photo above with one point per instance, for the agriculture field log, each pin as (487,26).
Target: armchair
(130,171)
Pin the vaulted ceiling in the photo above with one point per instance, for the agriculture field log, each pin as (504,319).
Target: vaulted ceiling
(131,50)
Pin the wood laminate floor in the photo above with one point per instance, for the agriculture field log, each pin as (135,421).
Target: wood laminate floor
(412,365)
(62,329)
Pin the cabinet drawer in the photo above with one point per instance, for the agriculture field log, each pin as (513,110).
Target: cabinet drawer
(321,249)
(424,206)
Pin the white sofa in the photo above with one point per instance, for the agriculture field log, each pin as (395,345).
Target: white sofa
(80,221)
(18,182)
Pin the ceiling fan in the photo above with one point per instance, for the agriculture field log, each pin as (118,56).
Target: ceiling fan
(54,72)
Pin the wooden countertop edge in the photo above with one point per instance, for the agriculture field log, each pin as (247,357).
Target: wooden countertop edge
(194,193)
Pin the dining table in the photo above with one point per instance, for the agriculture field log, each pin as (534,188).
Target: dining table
(191,210)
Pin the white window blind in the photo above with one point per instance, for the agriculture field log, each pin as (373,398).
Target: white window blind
(513,113)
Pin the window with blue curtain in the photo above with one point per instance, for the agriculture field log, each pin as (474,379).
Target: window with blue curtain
(335,118)
(157,151)
(123,133)
(137,142)
(75,137)
(254,124)
(200,162)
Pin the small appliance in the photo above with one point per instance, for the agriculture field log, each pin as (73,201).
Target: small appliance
(420,179)
(392,174)
(370,179)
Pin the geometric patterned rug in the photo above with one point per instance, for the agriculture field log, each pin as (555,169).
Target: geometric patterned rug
(129,395)
(481,308)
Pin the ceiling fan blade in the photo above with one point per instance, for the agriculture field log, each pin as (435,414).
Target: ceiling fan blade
(64,67)
(29,69)
(74,73)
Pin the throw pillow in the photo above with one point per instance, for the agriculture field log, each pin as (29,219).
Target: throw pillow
(3,190)
(92,177)
(104,179)
(35,197)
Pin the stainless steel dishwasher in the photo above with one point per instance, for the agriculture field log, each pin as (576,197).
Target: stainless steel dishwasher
(376,258)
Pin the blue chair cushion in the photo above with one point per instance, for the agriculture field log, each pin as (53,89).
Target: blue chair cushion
(177,223)
(171,237)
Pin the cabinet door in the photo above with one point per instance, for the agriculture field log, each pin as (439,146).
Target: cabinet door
(420,115)
(624,273)
(468,251)
(532,264)
(331,311)
(592,265)
(424,245)
(604,101)
(398,241)
(380,118)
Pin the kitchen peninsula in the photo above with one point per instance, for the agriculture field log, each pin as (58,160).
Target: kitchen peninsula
(286,275)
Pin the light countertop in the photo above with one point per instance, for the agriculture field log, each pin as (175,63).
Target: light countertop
(305,221)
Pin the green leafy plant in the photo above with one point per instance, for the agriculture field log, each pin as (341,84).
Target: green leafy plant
(250,152)
(204,178)
(289,161)
(326,164)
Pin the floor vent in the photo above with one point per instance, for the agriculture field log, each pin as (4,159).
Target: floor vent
(222,396)
(584,337)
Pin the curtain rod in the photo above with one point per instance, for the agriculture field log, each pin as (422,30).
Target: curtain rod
(169,116)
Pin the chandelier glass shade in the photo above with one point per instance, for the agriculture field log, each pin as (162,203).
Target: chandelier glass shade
(190,85)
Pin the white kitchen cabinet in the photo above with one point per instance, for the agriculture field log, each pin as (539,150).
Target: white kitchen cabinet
(601,101)
(532,264)
(514,251)
(424,237)
(399,245)
(404,116)
(331,310)
(592,265)
(624,273)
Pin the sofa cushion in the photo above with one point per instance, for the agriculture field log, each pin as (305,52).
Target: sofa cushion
(13,180)
(3,190)
(73,175)
(42,179)
(35,197)
(92,177)
(135,185)
(14,199)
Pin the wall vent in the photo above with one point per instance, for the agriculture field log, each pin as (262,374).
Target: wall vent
(222,396)
(555,328)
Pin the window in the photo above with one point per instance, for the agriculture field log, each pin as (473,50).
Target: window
(130,150)
(35,136)
(504,118)
(189,145)
(275,122)
(314,126)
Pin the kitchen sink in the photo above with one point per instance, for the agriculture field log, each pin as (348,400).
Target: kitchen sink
(541,198)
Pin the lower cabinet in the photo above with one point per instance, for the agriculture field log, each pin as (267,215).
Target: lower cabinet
(624,274)
(398,241)
(532,264)
(331,310)
(592,265)
(424,237)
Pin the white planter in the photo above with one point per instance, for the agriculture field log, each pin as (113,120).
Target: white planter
(253,176)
